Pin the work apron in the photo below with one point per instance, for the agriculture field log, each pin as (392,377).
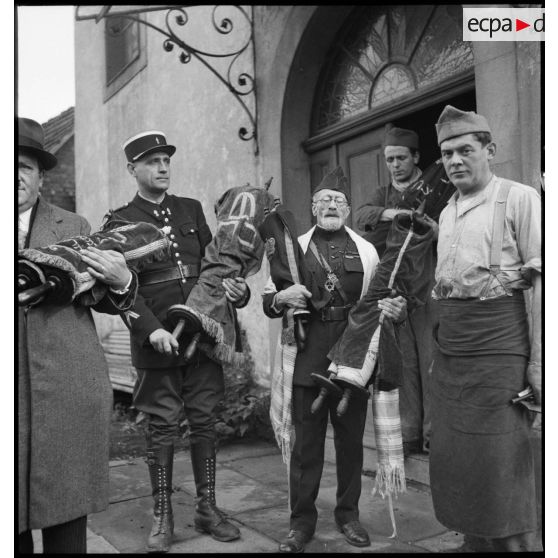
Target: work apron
(481,462)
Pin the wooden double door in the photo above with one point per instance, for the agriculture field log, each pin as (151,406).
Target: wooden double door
(362,161)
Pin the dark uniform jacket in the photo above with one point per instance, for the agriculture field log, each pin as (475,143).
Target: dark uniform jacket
(341,253)
(190,235)
(384,197)
(368,215)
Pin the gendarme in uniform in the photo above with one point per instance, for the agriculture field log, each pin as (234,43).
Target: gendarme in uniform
(166,384)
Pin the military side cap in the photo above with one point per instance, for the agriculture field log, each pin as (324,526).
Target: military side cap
(334,180)
(32,139)
(401,137)
(454,122)
(146,142)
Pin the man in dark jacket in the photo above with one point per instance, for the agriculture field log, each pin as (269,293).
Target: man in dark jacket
(401,154)
(166,384)
(64,393)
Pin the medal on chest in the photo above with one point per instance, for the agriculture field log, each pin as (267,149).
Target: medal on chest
(330,282)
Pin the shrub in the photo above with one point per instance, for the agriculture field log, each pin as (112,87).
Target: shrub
(245,409)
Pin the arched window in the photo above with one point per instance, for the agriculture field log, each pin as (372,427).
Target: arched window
(389,52)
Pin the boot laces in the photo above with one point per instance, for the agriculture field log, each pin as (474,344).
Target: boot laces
(221,515)
(162,506)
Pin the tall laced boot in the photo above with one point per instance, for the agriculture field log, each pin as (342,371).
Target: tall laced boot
(208,517)
(159,461)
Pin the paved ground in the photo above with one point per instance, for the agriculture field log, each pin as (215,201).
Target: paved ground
(252,490)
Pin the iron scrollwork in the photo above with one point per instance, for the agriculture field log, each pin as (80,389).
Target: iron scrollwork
(240,83)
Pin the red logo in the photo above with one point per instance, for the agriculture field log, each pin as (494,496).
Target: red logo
(519,24)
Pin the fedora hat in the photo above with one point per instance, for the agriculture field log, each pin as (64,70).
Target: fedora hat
(144,143)
(32,139)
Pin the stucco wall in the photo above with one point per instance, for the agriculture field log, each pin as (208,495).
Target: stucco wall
(507,77)
(198,115)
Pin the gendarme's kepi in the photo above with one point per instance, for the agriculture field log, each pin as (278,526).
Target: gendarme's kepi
(454,122)
(146,142)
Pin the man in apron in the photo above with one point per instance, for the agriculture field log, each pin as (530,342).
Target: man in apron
(487,347)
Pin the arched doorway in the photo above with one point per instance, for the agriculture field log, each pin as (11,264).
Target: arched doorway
(380,64)
(356,70)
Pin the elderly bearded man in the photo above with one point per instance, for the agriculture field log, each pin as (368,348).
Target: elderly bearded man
(489,253)
(166,384)
(353,261)
(401,155)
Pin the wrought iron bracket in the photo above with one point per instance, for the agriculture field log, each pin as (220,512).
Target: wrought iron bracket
(241,84)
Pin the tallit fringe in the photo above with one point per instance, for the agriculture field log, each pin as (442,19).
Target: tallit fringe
(389,480)
(285,444)
(285,440)
(285,447)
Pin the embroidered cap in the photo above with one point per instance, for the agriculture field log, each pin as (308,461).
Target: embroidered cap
(401,137)
(454,122)
(334,180)
(146,142)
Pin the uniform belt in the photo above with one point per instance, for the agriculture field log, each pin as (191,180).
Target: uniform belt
(334,313)
(169,274)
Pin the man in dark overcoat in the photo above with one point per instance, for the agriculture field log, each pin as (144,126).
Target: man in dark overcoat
(64,393)
(341,264)
(166,384)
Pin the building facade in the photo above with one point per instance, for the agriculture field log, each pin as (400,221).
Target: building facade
(59,184)
(328,79)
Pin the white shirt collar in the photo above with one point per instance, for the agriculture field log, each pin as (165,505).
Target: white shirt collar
(23,220)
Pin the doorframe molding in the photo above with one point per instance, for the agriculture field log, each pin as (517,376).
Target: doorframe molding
(391,111)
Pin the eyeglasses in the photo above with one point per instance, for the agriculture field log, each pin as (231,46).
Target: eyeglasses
(339,201)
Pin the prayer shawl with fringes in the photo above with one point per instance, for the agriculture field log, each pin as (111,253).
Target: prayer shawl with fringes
(390,472)
(140,243)
(282,376)
(236,250)
(369,339)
